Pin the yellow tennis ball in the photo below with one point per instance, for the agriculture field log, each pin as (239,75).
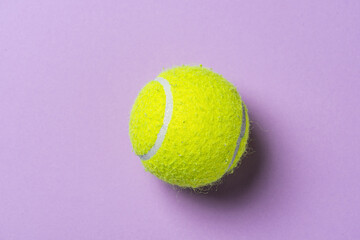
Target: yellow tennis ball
(189,126)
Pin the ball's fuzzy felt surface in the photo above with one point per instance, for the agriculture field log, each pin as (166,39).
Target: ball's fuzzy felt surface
(203,133)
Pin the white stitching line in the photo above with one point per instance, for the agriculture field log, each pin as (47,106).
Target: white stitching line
(242,133)
(167,117)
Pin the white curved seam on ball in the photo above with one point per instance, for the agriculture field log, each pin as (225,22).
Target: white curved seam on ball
(167,117)
(241,136)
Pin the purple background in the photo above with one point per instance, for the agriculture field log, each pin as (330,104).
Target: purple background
(70,72)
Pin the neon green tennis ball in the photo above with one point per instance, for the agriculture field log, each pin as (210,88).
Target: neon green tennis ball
(189,126)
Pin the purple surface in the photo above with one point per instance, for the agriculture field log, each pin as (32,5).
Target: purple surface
(70,72)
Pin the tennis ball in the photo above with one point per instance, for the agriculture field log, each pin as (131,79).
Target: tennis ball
(189,126)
